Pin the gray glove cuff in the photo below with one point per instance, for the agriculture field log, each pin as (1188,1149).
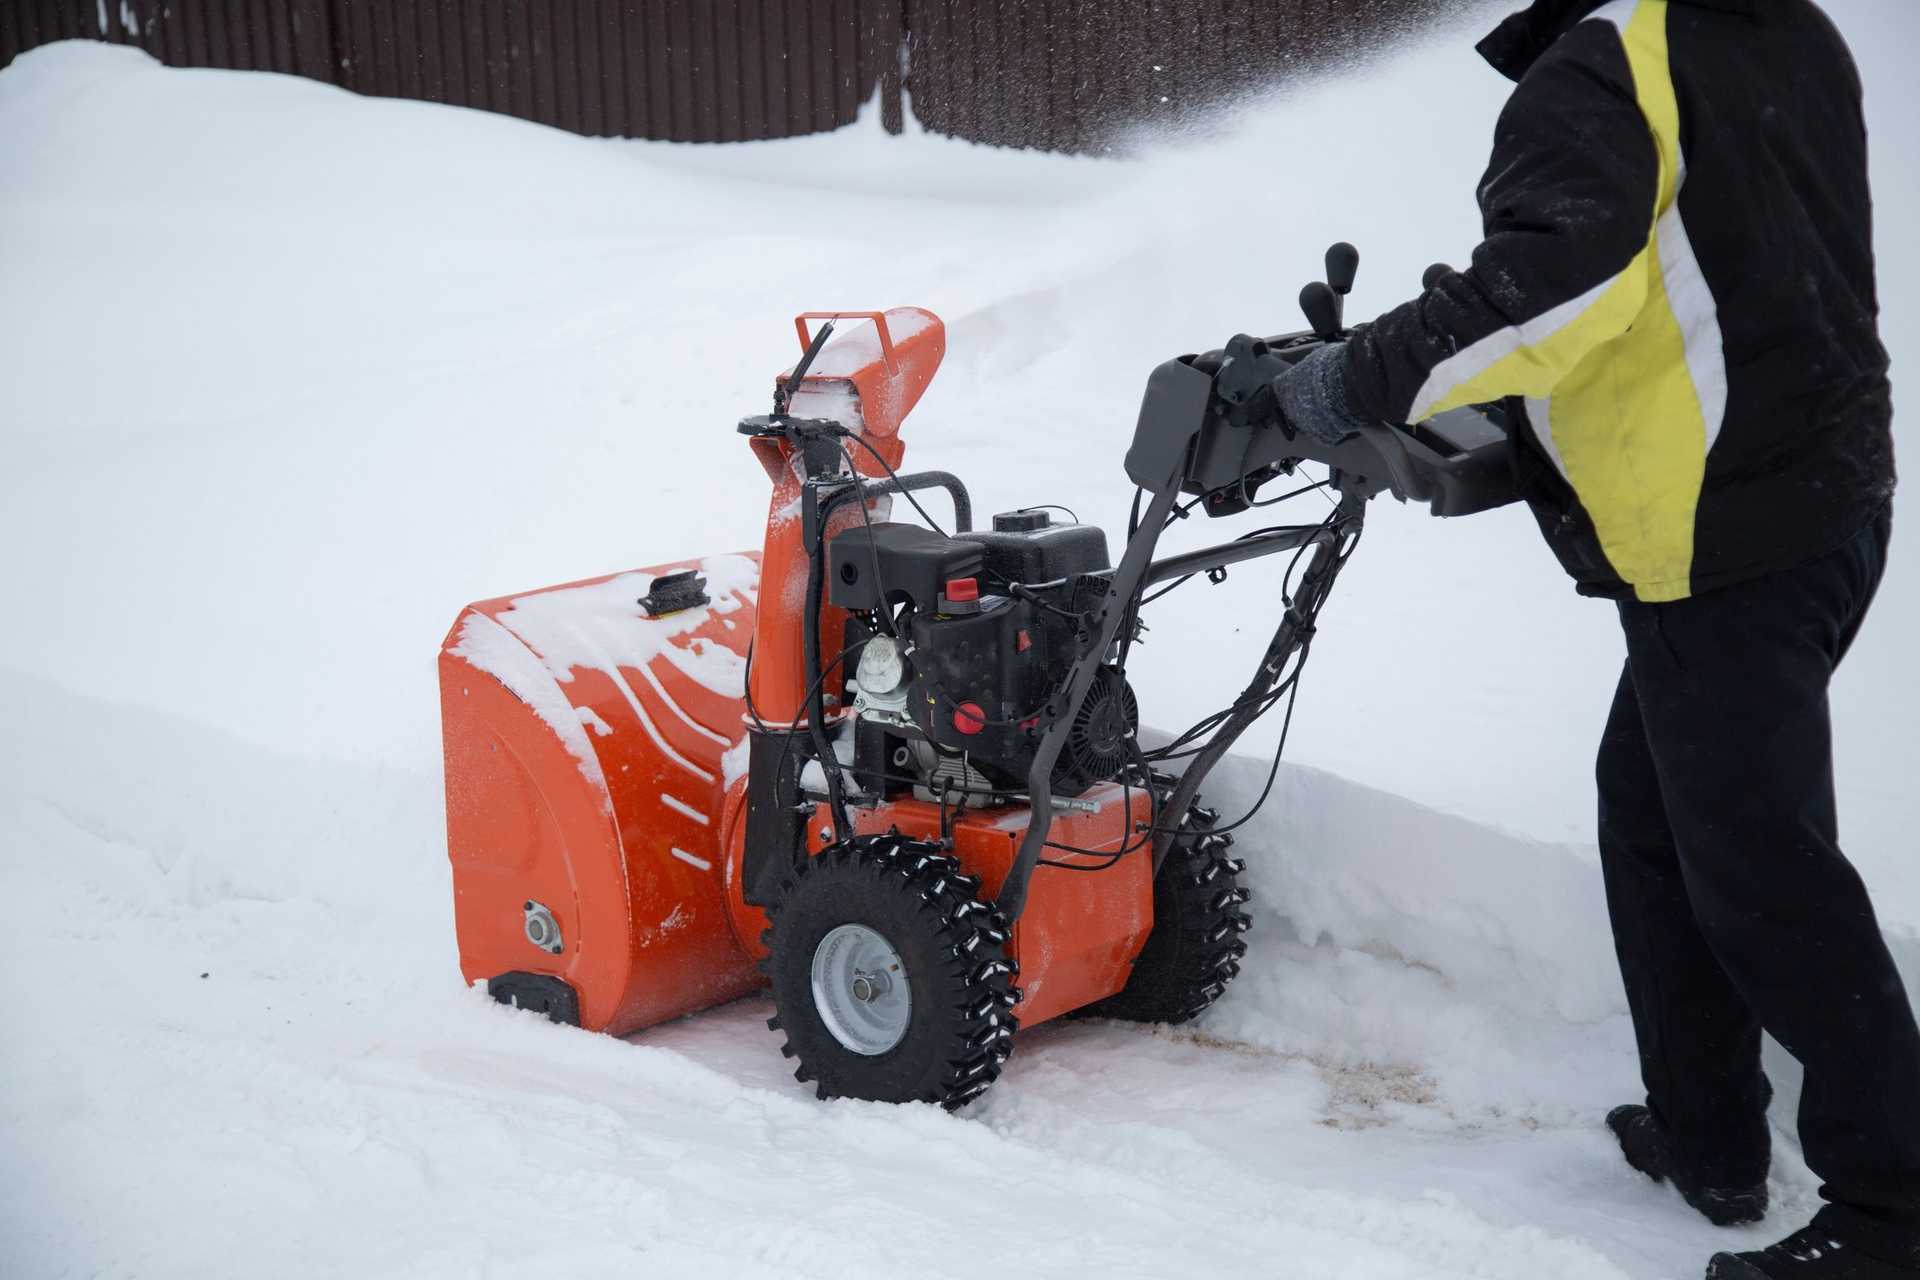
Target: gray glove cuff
(1313,396)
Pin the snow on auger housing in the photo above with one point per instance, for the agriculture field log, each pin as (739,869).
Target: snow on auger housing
(890,770)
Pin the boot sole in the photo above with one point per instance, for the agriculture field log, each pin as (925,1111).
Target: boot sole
(1743,1212)
(1730,1215)
(1721,1208)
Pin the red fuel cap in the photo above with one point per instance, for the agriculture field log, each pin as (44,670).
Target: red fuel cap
(961,590)
(968,718)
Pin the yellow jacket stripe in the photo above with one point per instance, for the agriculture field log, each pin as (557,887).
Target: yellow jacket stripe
(1676,281)
(1626,385)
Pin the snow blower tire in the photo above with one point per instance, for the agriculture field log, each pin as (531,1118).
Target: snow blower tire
(1195,948)
(890,976)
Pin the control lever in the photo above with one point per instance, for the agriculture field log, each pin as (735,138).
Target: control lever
(1325,304)
(1322,307)
(1343,263)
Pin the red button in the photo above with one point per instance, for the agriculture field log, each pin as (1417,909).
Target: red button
(968,718)
(960,590)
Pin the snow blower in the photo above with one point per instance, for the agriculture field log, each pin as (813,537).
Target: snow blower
(891,771)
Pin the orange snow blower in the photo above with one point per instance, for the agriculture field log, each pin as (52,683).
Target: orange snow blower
(892,771)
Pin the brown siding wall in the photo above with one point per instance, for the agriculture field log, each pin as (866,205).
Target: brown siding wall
(1062,74)
(686,70)
(245,35)
(1074,74)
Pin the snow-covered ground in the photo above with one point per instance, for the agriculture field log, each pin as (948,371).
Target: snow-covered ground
(287,376)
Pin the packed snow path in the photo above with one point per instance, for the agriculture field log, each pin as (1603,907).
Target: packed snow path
(287,376)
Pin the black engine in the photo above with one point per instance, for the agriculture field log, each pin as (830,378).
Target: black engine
(966,640)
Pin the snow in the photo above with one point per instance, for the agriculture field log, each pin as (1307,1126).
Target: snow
(681,806)
(692,860)
(540,640)
(491,648)
(734,760)
(289,376)
(601,626)
(856,343)
(834,401)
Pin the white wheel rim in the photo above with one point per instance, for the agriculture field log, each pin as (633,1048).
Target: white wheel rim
(860,990)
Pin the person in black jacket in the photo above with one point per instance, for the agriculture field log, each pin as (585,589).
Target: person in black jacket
(1675,298)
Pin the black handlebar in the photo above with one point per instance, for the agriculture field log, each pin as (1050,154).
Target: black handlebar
(1206,428)
(1201,409)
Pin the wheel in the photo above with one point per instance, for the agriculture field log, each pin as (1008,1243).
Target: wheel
(890,976)
(1195,947)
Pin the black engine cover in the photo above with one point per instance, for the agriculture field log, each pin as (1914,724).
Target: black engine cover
(913,563)
(998,661)
(983,668)
(1027,547)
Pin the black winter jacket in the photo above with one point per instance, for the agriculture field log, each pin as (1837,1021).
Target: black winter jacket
(1677,288)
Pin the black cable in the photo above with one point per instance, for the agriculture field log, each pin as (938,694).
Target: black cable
(815,697)
(1180,510)
(810,635)
(1173,749)
(1021,591)
(1111,855)
(1145,836)
(786,748)
(1180,581)
(873,547)
(1274,502)
(1286,724)
(1273,770)
(983,720)
(1180,747)
(1135,841)
(753,711)
(1054,506)
(895,477)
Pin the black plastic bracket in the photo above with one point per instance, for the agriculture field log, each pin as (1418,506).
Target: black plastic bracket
(538,993)
(672,592)
(776,819)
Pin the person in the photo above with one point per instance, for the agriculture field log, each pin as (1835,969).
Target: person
(1675,298)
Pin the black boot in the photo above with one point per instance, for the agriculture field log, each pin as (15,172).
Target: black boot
(1817,1253)
(1644,1142)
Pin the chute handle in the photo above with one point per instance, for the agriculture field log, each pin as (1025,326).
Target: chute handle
(879,319)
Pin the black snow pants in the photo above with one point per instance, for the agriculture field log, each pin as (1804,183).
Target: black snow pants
(1733,907)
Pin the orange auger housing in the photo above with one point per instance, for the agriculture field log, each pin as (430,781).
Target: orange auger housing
(596,758)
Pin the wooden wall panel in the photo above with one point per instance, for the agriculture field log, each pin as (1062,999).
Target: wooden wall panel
(1071,75)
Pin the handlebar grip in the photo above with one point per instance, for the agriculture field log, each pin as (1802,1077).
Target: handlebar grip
(1343,264)
(1322,308)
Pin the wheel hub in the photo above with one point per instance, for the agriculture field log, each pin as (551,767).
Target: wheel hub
(860,990)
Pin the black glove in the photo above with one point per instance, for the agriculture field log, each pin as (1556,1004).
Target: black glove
(1313,396)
